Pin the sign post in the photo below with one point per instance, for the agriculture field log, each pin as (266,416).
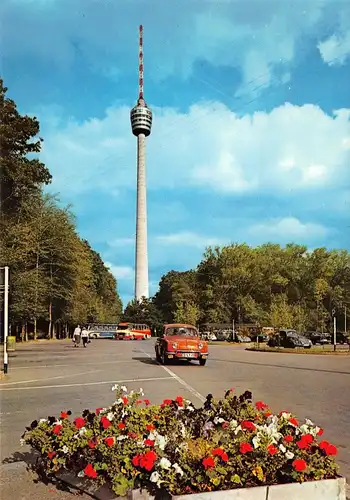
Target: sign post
(6,314)
(334,330)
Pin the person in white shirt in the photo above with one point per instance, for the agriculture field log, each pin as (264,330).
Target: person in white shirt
(76,336)
(85,336)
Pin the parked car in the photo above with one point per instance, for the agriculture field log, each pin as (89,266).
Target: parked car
(319,337)
(289,339)
(243,339)
(181,342)
(341,338)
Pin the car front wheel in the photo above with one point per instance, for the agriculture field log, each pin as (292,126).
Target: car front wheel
(164,358)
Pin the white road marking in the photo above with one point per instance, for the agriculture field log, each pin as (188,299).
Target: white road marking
(187,386)
(50,378)
(37,367)
(153,379)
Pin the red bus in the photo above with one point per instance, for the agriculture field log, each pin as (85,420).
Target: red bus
(133,331)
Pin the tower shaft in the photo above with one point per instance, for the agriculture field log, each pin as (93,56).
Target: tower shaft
(141,254)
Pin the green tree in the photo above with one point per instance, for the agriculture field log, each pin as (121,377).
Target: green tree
(186,312)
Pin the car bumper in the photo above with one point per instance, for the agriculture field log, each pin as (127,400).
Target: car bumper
(187,355)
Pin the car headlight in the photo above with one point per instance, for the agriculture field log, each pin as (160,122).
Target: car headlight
(174,345)
(200,346)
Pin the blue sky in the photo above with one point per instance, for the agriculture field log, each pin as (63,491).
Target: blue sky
(251,134)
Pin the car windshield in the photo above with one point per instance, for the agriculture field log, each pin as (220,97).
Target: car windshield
(183,331)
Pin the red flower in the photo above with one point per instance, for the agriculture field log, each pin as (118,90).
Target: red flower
(179,400)
(245,448)
(323,445)
(149,442)
(98,410)
(208,463)
(272,449)
(146,461)
(125,400)
(320,432)
(305,441)
(57,429)
(219,452)
(293,421)
(121,425)
(147,402)
(249,426)
(167,402)
(132,435)
(288,438)
(225,425)
(328,448)
(64,415)
(139,401)
(105,422)
(109,441)
(79,422)
(92,444)
(267,414)
(299,465)
(331,450)
(51,454)
(281,412)
(150,427)
(260,405)
(89,471)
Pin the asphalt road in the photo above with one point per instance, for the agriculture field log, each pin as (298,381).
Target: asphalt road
(48,377)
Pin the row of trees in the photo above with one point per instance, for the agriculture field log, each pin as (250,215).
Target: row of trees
(57,280)
(269,285)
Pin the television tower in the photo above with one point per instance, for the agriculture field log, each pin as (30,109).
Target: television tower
(141,123)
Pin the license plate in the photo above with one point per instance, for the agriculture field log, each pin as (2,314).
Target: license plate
(188,355)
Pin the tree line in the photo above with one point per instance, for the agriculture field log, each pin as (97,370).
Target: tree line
(56,279)
(268,285)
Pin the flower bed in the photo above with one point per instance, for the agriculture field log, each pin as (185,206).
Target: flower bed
(228,443)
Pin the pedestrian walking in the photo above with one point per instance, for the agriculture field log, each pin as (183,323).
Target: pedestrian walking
(85,336)
(77,336)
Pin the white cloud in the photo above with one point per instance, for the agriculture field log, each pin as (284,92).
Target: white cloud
(259,38)
(287,229)
(291,148)
(120,272)
(188,239)
(335,50)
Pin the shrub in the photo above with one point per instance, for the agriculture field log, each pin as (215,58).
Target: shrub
(227,443)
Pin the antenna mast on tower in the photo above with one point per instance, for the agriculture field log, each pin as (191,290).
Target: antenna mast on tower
(141,62)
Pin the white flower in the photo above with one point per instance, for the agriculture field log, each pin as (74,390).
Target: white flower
(304,429)
(165,463)
(238,428)
(308,422)
(178,469)
(233,424)
(121,438)
(190,408)
(256,441)
(42,420)
(81,473)
(110,416)
(289,455)
(282,448)
(155,478)
(58,422)
(285,415)
(119,401)
(141,392)
(82,431)
(115,387)
(124,388)
(219,420)
(65,449)
(159,440)
(22,442)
